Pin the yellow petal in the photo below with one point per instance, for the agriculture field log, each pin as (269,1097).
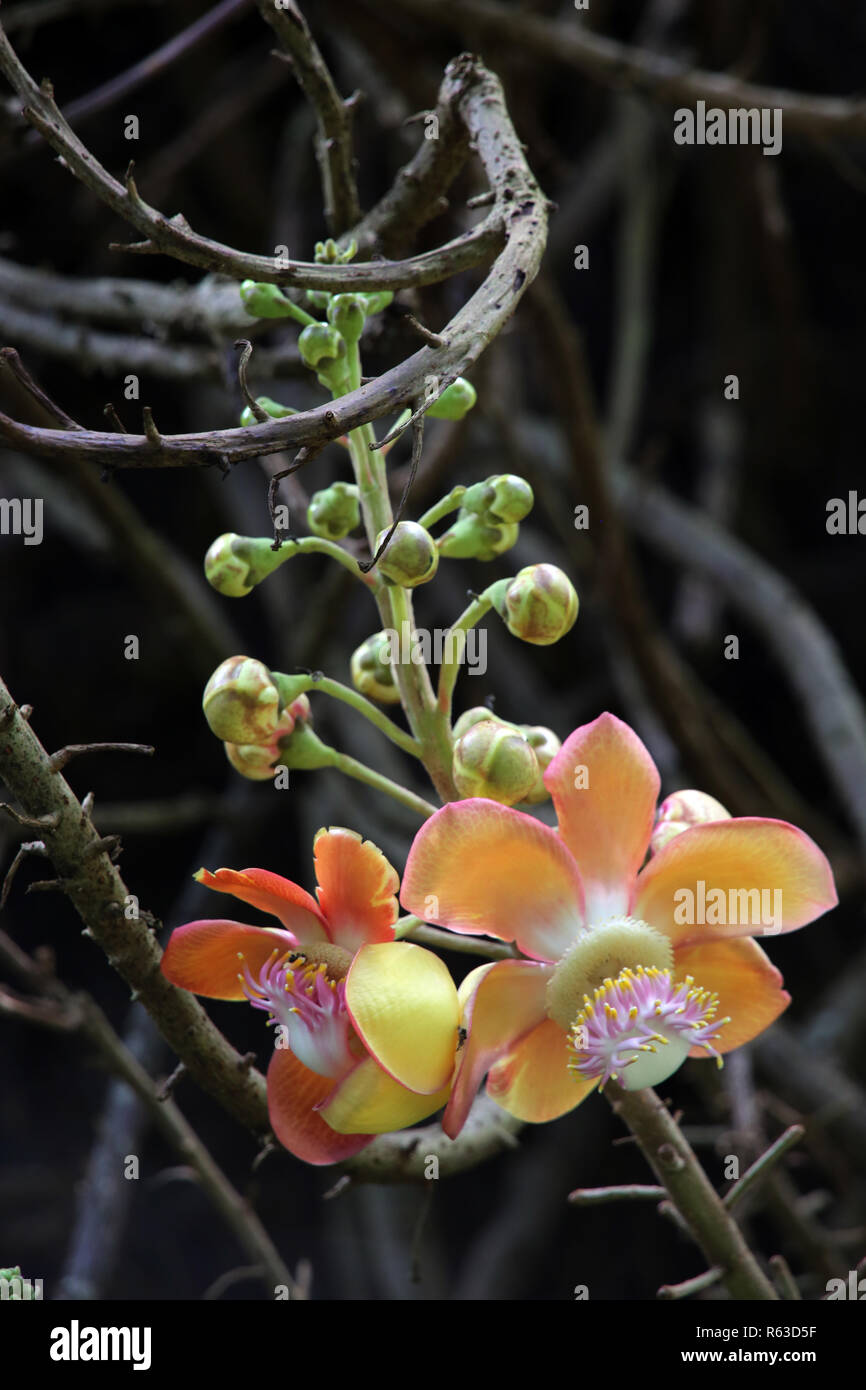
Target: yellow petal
(369,1101)
(533,1082)
(403,1005)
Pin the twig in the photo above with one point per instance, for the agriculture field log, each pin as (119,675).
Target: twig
(154,64)
(59,759)
(784,1279)
(417,425)
(246,353)
(601,1196)
(763,1165)
(669,1292)
(619,65)
(333,115)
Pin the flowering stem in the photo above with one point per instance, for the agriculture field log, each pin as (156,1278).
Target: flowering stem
(395,605)
(325,686)
(691,1192)
(350,767)
(313,545)
(447,504)
(480,606)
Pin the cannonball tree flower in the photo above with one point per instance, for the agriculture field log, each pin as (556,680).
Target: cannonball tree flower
(366,1025)
(618,981)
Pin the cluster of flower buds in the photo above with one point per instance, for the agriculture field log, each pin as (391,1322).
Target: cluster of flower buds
(261,718)
(538,605)
(372,673)
(488,520)
(501,761)
(680,812)
(411,557)
(334,512)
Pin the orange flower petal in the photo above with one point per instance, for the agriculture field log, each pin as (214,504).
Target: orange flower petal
(748,985)
(203,956)
(369,1099)
(765,876)
(296,909)
(533,1082)
(357,888)
(507,1002)
(476,866)
(604,786)
(293,1092)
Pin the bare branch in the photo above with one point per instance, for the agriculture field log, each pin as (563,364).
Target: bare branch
(619,65)
(519,216)
(333,115)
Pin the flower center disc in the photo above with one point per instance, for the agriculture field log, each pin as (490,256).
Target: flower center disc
(600,954)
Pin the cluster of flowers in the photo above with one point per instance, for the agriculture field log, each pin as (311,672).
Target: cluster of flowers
(370,1032)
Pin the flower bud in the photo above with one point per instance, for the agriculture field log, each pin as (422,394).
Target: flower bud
(241,702)
(545,745)
(226,570)
(372,673)
(273,408)
(346,313)
(504,497)
(476,715)
(324,349)
(680,812)
(252,761)
(334,512)
(494,761)
(265,301)
(377,300)
(473,537)
(538,605)
(329,253)
(456,400)
(411,558)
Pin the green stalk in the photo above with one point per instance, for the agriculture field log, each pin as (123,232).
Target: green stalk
(478,608)
(443,507)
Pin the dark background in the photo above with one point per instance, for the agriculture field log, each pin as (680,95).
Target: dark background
(711,261)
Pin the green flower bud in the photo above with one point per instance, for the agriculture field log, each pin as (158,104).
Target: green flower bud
(411,558)
(456,400)
(372,673)
(273,408)
(377,300)
(473,537)
(241,702)
(538,605)
(680,812)
(504,497)
(329,253)
(265,301)
(346,313)
(545,746)
(227,571)
(494,761)
(477,715)
(324,349)
(235,564)
(334,512)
